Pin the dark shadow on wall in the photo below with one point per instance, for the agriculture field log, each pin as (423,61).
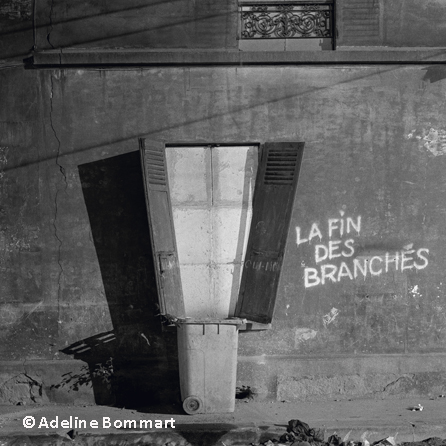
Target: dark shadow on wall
(144,367)
(434,73)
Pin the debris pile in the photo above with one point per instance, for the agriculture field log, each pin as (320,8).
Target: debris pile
(300,434)
(245,392)
(433,441)
(418,407)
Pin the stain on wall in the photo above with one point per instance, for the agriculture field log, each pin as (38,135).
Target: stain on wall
(433,140)
(16,9)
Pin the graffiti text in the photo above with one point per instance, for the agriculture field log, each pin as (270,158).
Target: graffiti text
(335,242)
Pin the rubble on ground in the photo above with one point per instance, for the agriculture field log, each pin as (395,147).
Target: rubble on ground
(299,433)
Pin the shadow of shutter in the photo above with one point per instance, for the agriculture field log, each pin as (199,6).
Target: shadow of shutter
(159,210)
(274,194)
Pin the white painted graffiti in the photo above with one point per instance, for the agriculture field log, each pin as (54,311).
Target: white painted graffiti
(330,317)
(338,246)
(431,139)
(302,335)
(334,225)
(3,159)
(260,264)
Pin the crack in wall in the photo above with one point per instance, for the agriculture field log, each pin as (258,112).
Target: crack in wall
(33,383)
(402,380)
(56,209)
(50,30)
(21,388)
(51,25)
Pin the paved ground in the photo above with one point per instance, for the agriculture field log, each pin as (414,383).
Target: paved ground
(252,422)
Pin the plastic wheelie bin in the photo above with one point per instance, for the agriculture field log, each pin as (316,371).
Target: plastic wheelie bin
(207,353)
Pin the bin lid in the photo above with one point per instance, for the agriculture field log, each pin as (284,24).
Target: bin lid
(229,321)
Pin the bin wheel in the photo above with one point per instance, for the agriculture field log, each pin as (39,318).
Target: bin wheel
(192,405)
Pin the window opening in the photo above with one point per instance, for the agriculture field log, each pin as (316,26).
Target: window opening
(211,190)
(221,215)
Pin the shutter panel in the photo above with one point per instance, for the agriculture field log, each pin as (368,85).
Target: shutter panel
(360,23)
(272,206)
(159,209)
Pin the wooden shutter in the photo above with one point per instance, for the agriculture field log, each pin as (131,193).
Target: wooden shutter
(272,206)
(360,23)
(162,231)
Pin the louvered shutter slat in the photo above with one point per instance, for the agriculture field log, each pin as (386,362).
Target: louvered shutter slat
(162,232)
(272,206)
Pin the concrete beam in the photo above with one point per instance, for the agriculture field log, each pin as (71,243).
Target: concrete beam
(130,57)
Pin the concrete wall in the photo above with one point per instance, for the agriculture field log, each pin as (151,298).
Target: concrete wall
(16,29)
(209,24)
(411,23)
(183,24)
(76,268)
(137,23)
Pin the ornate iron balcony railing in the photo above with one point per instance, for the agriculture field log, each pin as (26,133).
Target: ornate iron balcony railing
(287,20)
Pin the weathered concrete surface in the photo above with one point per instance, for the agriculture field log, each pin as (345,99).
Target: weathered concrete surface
(137,24)
(204,24)
(108,58)
(251,423)
(311,378)
(207,24)
(76,260)
(39,382)
(411,23)
(382,384)
(16,29)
